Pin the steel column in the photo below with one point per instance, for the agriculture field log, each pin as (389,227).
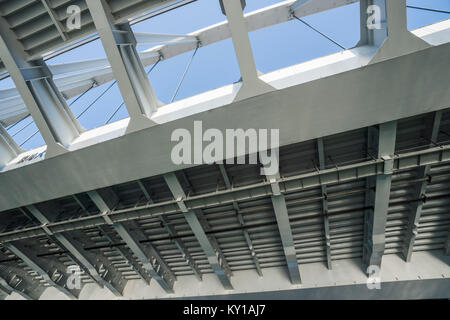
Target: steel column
(252,85)
(393,37)
(377,220)
(123,251)
(119,43)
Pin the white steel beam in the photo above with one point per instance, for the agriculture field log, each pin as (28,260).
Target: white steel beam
(45,103)
(376,237)
(119,43)
(252,85)
(416,210)
(326,223)
(277,13)
(215,257)
(391,36)
(356,171)
(284,227)
(105,201)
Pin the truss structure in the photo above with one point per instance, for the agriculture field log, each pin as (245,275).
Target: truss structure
(364,162)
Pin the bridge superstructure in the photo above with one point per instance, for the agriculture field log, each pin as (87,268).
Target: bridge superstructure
(364,162)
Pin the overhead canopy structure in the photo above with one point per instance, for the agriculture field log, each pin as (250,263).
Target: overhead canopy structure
(364,163)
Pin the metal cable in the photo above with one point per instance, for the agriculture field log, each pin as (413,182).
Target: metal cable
(429,9)
(185,72)
(81,95)
(123,102)
(15,124)
(322,34)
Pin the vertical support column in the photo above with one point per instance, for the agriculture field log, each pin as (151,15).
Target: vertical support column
(8,147)
(45,103)
(326,224)
(284,227)
(215,257)
(416,208)
(152,262)
(384,25)
(376,236)
(252,85)
(120,47)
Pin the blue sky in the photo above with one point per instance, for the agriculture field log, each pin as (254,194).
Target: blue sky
(215,65)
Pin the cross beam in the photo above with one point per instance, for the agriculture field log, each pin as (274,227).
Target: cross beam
(284,227)
(213,254)
(240,218)
(55,20)
(119,43)
(391,36)
(173,233)
(416,210)
(19,281)
(376,223)
(105,201)
(326,223)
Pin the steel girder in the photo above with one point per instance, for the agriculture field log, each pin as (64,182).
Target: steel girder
(95,265)
(365,169)
(212,251)
(416,209)
(376,229)
(106,200)
(173,233)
